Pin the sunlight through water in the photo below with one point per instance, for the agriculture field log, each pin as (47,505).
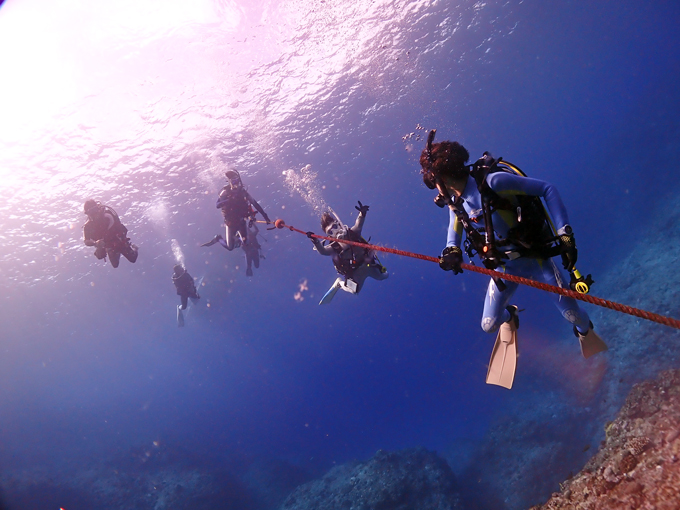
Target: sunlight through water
(141,103)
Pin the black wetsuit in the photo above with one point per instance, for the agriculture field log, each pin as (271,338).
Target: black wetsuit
(107,227)
(186,288)
(235,203)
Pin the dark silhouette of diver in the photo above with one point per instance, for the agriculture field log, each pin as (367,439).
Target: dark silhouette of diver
(107,234)
(186,288)
(252,249)
(354,264)
(506,224)
(237,208)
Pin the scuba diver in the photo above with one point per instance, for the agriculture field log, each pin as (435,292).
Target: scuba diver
(252,249)
(354,264)
(506,224)
(107,234)
(237,207)
(186,288)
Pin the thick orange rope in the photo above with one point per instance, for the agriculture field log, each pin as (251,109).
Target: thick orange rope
(667,321)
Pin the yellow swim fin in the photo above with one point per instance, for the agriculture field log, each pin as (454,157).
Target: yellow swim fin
(591,343)
(504,355)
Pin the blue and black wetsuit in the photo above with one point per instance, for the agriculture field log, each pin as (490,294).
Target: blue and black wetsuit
(509,186)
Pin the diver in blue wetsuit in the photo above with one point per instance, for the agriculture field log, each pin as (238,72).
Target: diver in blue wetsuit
(501,212)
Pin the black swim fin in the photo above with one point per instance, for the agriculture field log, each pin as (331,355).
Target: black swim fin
(214,240)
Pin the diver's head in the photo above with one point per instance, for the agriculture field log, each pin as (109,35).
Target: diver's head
(443,159)
(234,179)
(91,207)
(178,270)
(330,225)
(326,220)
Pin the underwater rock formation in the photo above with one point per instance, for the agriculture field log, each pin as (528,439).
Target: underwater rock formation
(403,480)
(156,476)
(638,465)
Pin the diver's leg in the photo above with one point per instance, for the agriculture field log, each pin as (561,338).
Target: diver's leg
(249,264)
(229,242)
(114,256)
(185,301)
(590,342)
(568,307)
(378,272)
(243,232)
(495,304)
(368,271)
(358,276)
(130,252)
(256,259)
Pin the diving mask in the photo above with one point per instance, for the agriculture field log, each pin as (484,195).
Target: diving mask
(336,230)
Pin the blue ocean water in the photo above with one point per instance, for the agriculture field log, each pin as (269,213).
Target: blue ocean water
(145,106)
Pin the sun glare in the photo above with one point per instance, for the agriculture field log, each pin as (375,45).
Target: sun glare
(46,45)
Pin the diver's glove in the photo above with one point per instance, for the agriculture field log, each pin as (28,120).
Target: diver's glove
(310,234)
(569,251)
(451,259)
(363,209)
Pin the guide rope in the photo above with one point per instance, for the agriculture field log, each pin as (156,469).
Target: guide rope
(643,314)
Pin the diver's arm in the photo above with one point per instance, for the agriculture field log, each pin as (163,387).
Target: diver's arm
(455,234)
(222,199)
(359,224)
(90,231)
(87,235)
(258,207)
(323,249)
(504,183)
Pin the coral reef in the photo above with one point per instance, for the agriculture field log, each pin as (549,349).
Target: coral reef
(403,480)
(638,465)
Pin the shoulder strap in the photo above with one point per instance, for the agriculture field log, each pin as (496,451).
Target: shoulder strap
(113,213)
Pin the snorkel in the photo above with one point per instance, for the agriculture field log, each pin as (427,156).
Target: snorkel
(444,197)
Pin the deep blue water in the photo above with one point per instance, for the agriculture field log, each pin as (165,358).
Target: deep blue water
(583,95)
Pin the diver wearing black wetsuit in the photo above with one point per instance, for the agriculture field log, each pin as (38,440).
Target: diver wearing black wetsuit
(251,249)
(236,205)
(105,231)
(184,283)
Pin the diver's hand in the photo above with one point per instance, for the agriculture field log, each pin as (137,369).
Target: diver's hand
(99,244)
(451,259)
(310,235)
(363,209)
(569,251)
